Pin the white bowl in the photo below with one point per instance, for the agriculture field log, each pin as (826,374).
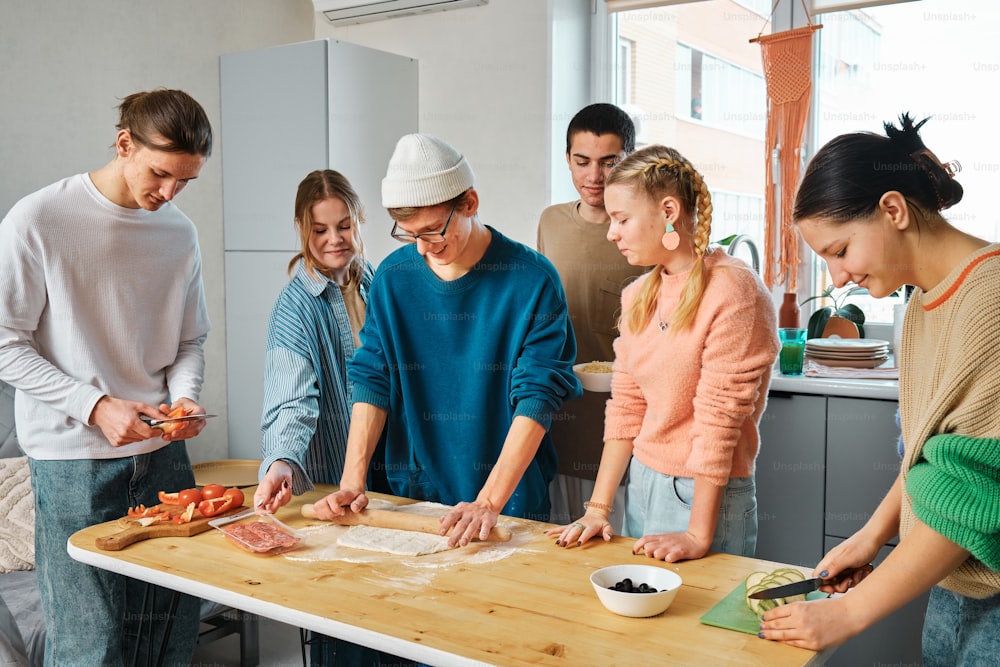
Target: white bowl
(637,605)
(599,382)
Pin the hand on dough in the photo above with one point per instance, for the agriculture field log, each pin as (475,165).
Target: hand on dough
(467,521)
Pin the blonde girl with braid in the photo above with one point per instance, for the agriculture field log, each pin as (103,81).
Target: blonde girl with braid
(692,367)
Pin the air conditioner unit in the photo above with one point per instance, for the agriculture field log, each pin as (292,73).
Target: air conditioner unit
(346,12)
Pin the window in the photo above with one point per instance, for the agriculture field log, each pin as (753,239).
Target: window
(759,7)
(691,71)
(624,83)
(932,58)
(715,91)
(695,83)
(736,213)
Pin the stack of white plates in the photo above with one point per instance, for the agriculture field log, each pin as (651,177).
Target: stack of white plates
(850,352)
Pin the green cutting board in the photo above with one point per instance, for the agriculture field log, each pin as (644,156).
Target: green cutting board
(732,612)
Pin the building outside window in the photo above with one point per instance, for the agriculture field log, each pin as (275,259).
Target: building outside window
(695,83)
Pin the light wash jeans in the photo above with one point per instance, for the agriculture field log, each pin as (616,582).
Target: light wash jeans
(92,615)
(960,631)
(656,504)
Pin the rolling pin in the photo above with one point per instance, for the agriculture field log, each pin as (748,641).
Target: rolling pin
(400,521)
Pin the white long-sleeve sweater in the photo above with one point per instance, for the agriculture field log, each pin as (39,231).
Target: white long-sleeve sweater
(96,299)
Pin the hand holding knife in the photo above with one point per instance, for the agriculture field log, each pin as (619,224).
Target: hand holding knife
(809,585)
(158,423)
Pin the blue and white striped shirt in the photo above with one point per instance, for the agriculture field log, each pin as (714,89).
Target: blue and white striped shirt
(307,409)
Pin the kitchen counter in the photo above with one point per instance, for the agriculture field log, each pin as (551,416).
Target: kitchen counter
(800,384)
(523,602)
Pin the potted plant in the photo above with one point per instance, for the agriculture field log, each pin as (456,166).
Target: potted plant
(841,319)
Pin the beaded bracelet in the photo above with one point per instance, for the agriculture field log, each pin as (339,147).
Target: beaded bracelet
(601,506)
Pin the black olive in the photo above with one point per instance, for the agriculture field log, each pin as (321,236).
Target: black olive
(626,586)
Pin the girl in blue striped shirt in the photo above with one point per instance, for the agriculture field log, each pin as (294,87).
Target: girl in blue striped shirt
(312,333)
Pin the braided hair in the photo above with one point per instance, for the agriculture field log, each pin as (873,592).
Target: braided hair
(660,171)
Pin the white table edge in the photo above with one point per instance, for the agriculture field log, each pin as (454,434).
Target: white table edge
(321,624)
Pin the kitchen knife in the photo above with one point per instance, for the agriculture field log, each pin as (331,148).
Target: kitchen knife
(159,422)
(805,586)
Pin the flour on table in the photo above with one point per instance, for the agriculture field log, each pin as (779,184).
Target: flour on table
(393,541)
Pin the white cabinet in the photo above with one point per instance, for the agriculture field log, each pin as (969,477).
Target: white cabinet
(286,111)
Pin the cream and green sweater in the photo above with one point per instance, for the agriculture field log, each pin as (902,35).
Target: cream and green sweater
(950,384)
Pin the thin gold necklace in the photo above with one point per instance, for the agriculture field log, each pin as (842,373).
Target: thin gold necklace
(663,325)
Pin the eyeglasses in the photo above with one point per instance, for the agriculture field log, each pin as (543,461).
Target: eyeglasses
(426,237)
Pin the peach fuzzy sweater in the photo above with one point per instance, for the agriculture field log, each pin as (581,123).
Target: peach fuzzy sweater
(691,400)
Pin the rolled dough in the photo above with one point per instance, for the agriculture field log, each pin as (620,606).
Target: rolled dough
(393,541)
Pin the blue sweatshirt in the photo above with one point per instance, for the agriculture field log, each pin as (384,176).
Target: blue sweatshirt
(455,361)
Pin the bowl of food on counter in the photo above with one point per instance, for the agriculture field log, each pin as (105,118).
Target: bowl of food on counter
(638,591)
(594,375)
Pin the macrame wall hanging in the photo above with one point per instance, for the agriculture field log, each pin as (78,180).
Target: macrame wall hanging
(787,60)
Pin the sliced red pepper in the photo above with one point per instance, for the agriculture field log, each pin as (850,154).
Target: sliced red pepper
(186,515)
(169,498)
(141,511)
(214,506)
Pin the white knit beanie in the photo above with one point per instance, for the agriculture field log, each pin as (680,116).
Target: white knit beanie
(424,171)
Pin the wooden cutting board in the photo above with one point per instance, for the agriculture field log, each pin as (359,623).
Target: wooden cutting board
(732,612)
(133,532)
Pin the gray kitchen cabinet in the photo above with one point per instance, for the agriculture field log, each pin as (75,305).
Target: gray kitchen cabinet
(862,461)
(790,479)
(287,111)
(825,463)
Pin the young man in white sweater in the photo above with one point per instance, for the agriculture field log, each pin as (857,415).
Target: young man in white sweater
(102,320)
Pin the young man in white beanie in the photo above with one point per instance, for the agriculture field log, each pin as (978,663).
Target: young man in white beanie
(467,352)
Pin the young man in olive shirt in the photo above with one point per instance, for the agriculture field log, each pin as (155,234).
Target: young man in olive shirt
(573,235)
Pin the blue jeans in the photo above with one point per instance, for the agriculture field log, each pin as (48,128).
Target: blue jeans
(93,615)
(657,504)
(960,631)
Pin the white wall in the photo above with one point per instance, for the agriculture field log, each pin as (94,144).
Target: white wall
(485,87)
(499,82)
(67,64)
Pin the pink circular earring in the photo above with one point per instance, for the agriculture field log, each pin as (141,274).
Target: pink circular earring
(671,239)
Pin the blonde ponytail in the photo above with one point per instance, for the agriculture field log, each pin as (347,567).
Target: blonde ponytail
(660,171)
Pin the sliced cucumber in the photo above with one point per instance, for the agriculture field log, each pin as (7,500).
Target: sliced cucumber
(755,578)
(759,581)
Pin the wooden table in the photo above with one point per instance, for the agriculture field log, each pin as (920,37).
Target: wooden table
(526,602)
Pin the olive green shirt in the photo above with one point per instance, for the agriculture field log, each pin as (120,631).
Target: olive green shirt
(593,273)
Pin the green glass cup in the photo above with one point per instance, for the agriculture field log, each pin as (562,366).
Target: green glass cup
(793,350)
